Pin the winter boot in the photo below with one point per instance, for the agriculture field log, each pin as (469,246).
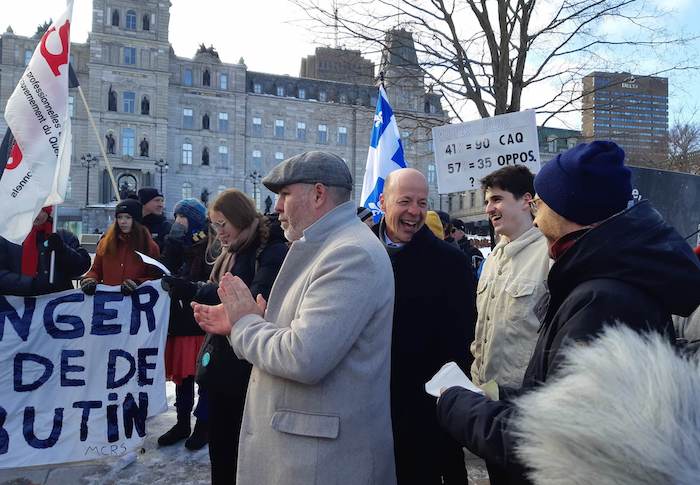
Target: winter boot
(180,431)
(200,436)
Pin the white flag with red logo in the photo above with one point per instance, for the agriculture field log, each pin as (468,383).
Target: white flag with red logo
(34,168)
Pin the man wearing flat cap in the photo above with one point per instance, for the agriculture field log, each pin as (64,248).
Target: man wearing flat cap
(317,409)
(612,265)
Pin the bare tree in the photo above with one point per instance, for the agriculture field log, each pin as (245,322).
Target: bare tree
(485,55)
(684,146)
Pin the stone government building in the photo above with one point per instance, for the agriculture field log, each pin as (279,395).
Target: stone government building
(216,124)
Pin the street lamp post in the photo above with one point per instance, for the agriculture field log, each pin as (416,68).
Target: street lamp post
(161,167)
(255,177)
(88,161)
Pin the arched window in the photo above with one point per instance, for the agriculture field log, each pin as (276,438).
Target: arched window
(128,141)
(206,78)
(115,17)
(146,23)
(223,155)
(187,153)
(205,156)
(186,190)
(205,121)
(130,20)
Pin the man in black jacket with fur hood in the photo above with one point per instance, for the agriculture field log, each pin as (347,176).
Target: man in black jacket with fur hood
(611,265)
(434,315)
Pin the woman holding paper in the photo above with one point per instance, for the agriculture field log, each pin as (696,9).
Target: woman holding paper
(116,262)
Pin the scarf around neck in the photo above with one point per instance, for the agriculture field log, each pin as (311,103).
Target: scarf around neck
(30,252)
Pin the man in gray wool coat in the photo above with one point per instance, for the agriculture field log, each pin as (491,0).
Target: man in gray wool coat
(317,409)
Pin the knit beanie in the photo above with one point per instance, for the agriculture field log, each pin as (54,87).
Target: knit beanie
(432,220)
(131,207)
(586,184)
(147,194)
(195,212)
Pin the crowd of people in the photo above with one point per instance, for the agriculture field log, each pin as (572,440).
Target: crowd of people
(311,332)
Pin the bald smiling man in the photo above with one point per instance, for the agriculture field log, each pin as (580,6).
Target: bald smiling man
(433,323)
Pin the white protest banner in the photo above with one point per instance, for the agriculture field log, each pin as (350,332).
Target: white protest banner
(80,374)
(36,169)
(467,152)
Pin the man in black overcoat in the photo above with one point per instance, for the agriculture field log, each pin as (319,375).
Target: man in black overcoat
(434,315)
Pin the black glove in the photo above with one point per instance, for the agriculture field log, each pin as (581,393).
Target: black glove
(88,285)
(54,242)
(179,288)
(128,287)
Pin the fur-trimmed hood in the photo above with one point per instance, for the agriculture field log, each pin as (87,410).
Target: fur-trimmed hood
(624,410)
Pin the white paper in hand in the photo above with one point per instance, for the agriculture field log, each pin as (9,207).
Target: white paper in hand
(153,262)
(449,375)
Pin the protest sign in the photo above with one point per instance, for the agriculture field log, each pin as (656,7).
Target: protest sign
(467,152)
(80,374)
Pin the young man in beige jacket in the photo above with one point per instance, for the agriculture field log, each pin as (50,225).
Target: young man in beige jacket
(512,288)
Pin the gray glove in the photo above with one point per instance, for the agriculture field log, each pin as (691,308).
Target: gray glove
(128,287)
(88,285)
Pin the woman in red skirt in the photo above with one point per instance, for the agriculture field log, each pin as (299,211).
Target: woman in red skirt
(184,253)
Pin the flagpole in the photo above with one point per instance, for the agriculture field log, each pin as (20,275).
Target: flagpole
(99,142)
(54,214)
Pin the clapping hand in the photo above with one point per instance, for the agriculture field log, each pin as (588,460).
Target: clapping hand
(236,302)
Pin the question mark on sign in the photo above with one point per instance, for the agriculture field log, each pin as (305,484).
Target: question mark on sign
(471,181)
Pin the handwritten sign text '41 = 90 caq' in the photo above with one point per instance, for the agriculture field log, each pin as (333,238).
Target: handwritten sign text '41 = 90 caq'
(467,152)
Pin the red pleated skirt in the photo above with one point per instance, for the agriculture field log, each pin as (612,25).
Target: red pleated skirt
(181,357)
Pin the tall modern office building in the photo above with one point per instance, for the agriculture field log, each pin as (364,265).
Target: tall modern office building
(629,110)
(216,124)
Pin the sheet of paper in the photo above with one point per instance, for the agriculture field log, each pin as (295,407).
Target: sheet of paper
(449,375)
(153,262)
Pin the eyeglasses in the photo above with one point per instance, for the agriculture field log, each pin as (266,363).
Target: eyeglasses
(533,205)
(218,226)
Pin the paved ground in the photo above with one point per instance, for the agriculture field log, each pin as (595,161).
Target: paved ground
(173,465)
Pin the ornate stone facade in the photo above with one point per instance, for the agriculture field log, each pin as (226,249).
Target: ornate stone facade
(216,124)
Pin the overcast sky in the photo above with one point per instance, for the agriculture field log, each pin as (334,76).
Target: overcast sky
(268,34)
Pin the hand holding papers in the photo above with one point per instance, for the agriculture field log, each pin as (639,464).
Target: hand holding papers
(449,375)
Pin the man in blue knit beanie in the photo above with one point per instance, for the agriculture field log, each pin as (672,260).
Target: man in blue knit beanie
(613,265)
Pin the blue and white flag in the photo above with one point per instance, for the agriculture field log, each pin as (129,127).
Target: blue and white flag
(385,154)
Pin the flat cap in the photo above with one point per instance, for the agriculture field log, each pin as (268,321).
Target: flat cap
(309,168)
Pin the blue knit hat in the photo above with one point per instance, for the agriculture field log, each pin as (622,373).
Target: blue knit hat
(587,183)
(195,212)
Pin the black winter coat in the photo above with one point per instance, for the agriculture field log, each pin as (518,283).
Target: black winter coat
(188,263)
(633,269)
(72,261)
(159,227)
(434,316)
(225,372)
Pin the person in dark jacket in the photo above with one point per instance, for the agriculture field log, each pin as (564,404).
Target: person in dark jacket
(611,266)
(185,255)
(253,251)
(153,203)
(434,316)
(24,270)
(474,256)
